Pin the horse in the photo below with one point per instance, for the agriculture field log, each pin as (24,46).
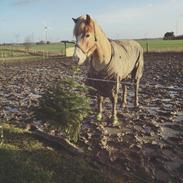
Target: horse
(110,62)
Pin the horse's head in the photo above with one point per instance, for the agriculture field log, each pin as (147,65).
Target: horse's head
(84,31)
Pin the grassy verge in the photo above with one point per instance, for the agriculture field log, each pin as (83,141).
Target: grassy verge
(52,47)
(13,56)
(160,45)
(20,59)
(154,45)
(24,159)
(36,52)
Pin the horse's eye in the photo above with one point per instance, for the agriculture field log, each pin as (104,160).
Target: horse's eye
(87,35)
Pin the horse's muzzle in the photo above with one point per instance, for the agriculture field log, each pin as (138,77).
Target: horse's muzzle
(75,59)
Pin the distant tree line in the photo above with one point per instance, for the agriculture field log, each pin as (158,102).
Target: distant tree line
(43,42)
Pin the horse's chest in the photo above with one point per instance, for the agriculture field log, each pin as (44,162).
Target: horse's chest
(102,83)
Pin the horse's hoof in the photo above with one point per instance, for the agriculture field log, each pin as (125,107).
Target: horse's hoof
(137,108)
(99,117)
(115,121)
(125,109)
(123,105)
(136,104)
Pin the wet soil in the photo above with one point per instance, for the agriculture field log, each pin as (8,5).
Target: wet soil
(147,146)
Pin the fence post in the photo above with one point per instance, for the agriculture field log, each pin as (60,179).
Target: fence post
(43,54)
(147,46)
(12,52)
(65,48)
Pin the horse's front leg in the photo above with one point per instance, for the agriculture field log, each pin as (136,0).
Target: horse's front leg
(114,99)
(100,100)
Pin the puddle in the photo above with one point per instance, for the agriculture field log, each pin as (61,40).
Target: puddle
(173,94)
(179,117)
(112,131)
(168,132)
(152,110)
(11,109)
(166,100)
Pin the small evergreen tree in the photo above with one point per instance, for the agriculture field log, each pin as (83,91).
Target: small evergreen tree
(65,105)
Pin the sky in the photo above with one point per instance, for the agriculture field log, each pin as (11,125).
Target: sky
(119,19)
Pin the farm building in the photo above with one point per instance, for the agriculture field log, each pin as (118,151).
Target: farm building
(179,37)
(169,36)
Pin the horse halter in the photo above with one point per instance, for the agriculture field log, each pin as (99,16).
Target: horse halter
(91,48)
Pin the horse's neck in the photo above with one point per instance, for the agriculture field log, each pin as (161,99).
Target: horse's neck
(102,55)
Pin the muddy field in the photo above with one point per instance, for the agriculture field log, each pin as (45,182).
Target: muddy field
(148,144)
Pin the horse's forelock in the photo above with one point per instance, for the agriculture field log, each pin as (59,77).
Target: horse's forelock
(81,27)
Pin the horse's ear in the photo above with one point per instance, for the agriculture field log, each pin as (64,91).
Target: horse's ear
(75,20)
(88,19)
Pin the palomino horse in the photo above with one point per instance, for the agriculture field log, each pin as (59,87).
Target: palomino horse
(109,61)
